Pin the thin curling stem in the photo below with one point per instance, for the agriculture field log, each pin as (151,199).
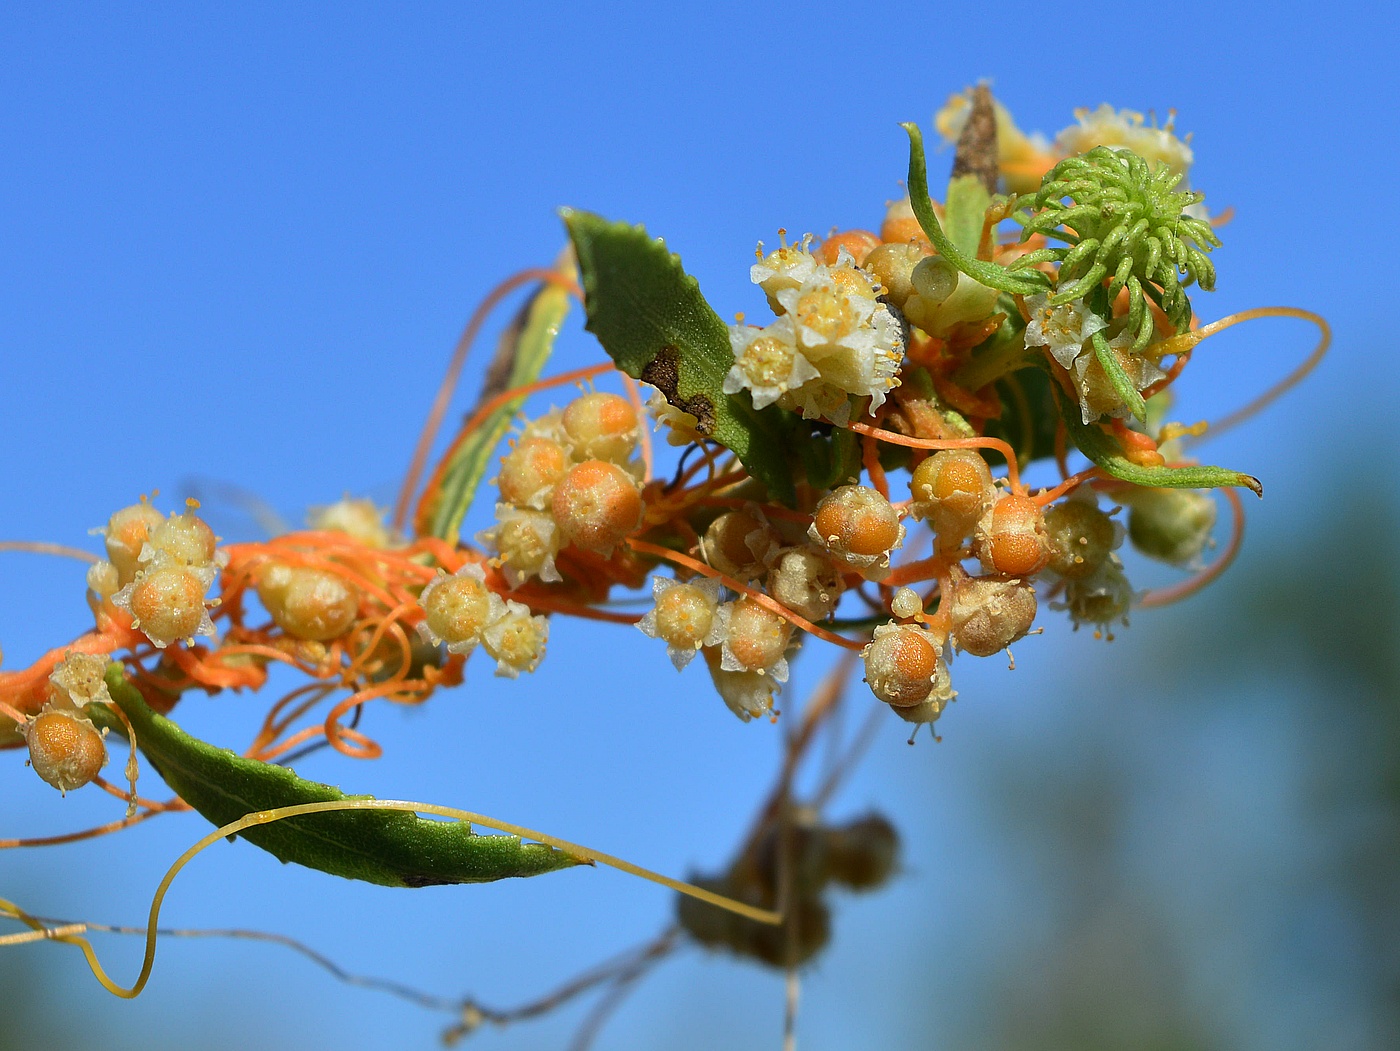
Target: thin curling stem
(40,547)
(267,817)
(454,373)
(1280,388)
(1168,595)
(1013,473)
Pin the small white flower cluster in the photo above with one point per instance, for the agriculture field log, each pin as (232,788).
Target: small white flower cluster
(832,339)
(1066,331)
(462,612)
(159,569)
(569,478)
(1126,129)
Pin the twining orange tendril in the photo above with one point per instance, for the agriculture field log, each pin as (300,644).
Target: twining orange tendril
(763,600)
(1013,474)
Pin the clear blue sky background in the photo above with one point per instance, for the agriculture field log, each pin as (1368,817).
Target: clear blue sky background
(237,243)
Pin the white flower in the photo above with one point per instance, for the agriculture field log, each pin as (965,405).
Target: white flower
(767,362)
(1064,329)
(785,267)
(527,542)
(1126,129)
(684,616)
(680,425)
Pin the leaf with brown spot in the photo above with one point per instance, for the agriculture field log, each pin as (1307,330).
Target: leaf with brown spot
(651,318)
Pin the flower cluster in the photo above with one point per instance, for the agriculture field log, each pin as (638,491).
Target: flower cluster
(833,338)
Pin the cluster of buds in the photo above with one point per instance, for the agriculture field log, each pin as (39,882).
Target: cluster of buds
(159,569)
(65,748)
(461,611)
(569,479)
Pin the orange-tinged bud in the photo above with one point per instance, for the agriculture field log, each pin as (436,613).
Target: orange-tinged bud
(601,426)
(597,506)
(531,470)
(903,666)
(308,603)
(1011,538)
(857,525)
(65,748)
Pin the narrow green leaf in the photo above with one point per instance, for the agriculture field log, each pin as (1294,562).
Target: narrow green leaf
(524,348)
(651,318)
(1122,386)
(1104,450)
(1024,282)
(388,847)
(964,212)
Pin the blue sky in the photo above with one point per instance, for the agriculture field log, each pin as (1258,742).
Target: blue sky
(236,245)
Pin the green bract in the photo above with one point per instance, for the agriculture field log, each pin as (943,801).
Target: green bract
(1124,220)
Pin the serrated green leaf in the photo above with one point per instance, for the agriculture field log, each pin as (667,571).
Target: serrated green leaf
(1023,282)
(651,318)
(389,847)
(1104,451)
(524,348)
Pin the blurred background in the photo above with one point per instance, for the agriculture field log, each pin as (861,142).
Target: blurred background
(237,243)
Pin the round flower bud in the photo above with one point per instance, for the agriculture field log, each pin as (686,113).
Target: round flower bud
(903,666)
(857,525)
(901,225)
(1170,525)
(805,581)
(1081,537)
(184,538)
(1100,600)
(906,603)
(597,506)
(859,243)
(892,265)
(104,579)
(166,601)
(736,542)
(755,639)
(934,280)
(862,855)
(527,542)
(1010,538)
(65,748)
(358,518)
(748,694)
(457,609)
(601,426)
(125,534)
(953,490)
(308,603)
(516,639)
(685,617)
(988,614)
(531,470)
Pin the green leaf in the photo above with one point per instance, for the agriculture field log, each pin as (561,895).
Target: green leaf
(964,212)
(1122,385)
(650,317)
(520,357)
(834,461)
(389,847)
(1023,282)
(1103,449)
